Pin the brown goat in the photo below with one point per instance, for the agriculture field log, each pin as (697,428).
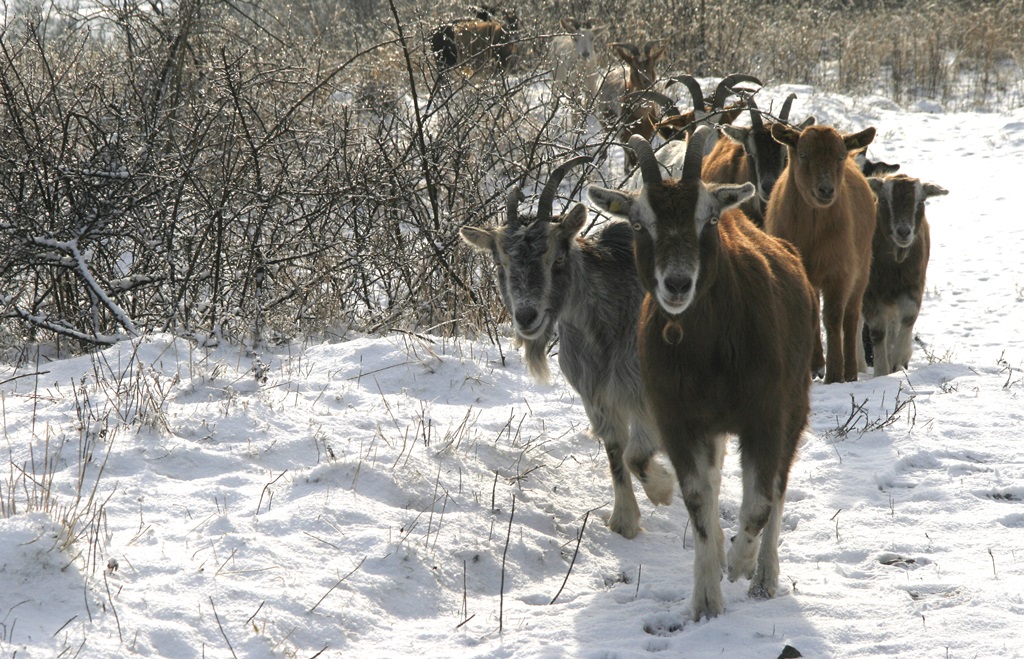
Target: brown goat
(638,116)
(676,125)
(480,43)
(823,205)
(751,154)
(725,347)
(899,262)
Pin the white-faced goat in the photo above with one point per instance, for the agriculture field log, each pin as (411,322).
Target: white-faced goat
(575,58)
(823,205)
(751,154)
(482,42)
(899,262)
(587,290)
(725,347)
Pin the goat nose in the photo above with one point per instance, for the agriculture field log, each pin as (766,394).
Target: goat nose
(826,189)
(678,285)
(903,232)
(526,317)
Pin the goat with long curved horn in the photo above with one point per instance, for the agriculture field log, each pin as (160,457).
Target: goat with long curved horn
(695,153)
(696,93)
(756,122)
(515,197)
(547,195)
(725,88)
(786,106)
(584,289)
(713,279)
(649,167)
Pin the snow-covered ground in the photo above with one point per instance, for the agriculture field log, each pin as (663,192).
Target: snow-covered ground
(412,495)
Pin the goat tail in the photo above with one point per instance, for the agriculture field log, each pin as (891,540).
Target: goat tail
(672,332)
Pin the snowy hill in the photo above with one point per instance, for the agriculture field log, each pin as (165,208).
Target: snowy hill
(413,495)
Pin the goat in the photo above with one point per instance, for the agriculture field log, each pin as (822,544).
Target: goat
(478,42)
(871,168)
(899,262)
(823,205)
(679,125)
(574,56)
(636,117)
(751,154)
(587,290)
(725,347)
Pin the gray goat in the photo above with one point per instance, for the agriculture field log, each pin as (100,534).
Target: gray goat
(588,291)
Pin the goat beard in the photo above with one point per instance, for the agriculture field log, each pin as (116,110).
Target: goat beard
(672,332)
(536,354)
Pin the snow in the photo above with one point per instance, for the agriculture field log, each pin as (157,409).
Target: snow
(359,503)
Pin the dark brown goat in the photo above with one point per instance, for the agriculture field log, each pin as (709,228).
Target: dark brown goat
(479,43)
(899,262)
(751,154)
(823,205)
(725,347)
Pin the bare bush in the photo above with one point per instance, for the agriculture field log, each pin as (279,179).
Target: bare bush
(257,170)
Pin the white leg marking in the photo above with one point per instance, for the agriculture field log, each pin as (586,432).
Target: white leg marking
(709,550)
(743,553)
(766,578)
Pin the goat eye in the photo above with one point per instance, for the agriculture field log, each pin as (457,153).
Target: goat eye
(637,226)
(560,259)
(713,220)
(803,156)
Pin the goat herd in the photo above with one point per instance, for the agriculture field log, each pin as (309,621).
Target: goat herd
(697,315)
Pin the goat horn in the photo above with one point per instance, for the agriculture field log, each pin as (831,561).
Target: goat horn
(696,93)
(755,115)
(694,160)
(650,95)
(649,167)
(786,106)
(547,195)
(724,89)
(515,195)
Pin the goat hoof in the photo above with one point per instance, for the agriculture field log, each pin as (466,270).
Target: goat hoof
(628,529)
(761,591)
(706,609)
(659,485)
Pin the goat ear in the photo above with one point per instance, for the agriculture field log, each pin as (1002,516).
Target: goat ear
(479,239)
(859,140)
(623,52)
(569,24)
(654,52)
(783,134)
(932,190)
(573,221)
(615,202)
(736,133)
(731,195)
(877,185)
